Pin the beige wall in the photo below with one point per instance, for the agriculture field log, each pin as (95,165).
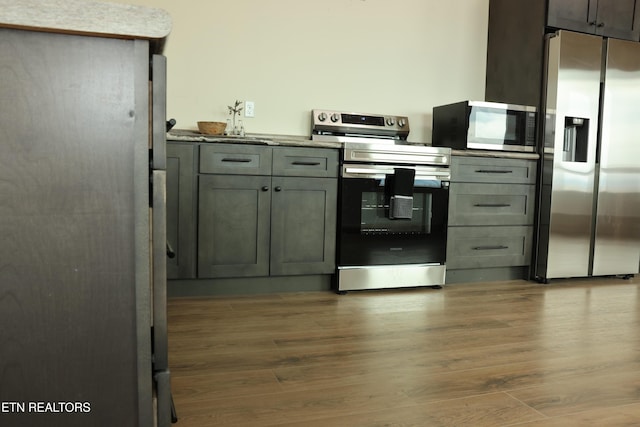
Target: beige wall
(290,56)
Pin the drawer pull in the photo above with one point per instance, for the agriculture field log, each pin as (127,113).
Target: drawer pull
(489,248)
(300,163)
(492,171)
(492,205)
(236,160)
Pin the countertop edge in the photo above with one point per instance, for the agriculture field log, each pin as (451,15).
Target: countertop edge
(255,139)
(86,17)
(180,135)
(495,154)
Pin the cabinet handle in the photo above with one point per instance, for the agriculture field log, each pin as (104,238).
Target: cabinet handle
(265,188)
(301,163)
(492,205)
(600,25)
(236,160)
(489,248)
(278,188)
(592,23)
(492,171)
(170,252)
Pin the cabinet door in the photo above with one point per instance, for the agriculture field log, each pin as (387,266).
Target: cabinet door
(493,170)
(576,15)
(303,225)
(611,18)
(491,204)
(303,161)
(233,226)
(235,159)
(181,222)
(618,18)
(483,247)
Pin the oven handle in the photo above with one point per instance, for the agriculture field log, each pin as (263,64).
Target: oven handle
(377,172)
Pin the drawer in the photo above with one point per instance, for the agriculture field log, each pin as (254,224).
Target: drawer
(307,162)
(235,159)
(484,247)
(491,204)
(493,170)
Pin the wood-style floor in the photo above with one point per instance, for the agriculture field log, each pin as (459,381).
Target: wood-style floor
(494,354)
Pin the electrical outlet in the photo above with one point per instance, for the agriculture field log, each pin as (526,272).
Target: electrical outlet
(249,109)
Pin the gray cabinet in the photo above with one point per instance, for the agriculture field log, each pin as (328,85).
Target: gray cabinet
(81,279)
(303,225)
(181,218)
(491,204)
(483,247)
(266,211)
(233,225)
(491,213)
(235,159)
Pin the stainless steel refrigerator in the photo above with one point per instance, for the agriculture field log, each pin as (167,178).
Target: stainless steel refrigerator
(589,210)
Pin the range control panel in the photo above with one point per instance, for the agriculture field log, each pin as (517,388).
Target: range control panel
(336,122)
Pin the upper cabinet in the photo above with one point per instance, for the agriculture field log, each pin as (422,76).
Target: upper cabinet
(516,34)
(611,18)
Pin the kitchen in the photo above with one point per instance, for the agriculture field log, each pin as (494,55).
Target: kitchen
(409,81)
(381,54)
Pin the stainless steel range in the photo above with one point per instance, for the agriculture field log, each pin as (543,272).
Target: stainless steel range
(394,198)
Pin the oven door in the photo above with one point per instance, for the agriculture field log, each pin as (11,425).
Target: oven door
(368,237)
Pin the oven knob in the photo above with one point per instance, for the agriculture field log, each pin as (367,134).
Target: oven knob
(390,121)
(402,122)
(322,117)
(335,117)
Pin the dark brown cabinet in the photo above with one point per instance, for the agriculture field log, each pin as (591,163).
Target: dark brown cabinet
(516,34)
(611,18)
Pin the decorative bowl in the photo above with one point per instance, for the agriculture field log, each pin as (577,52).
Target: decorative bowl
(212,128)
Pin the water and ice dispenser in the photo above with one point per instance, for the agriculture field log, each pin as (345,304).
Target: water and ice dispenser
(576,139)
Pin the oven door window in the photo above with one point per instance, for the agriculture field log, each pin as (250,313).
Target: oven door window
(367,235)
(374,215)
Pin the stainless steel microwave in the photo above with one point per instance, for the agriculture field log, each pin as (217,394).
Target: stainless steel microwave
(484,126)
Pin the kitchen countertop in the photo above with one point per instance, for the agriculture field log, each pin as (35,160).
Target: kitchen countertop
(86,17)
(305,141)
(251,138)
